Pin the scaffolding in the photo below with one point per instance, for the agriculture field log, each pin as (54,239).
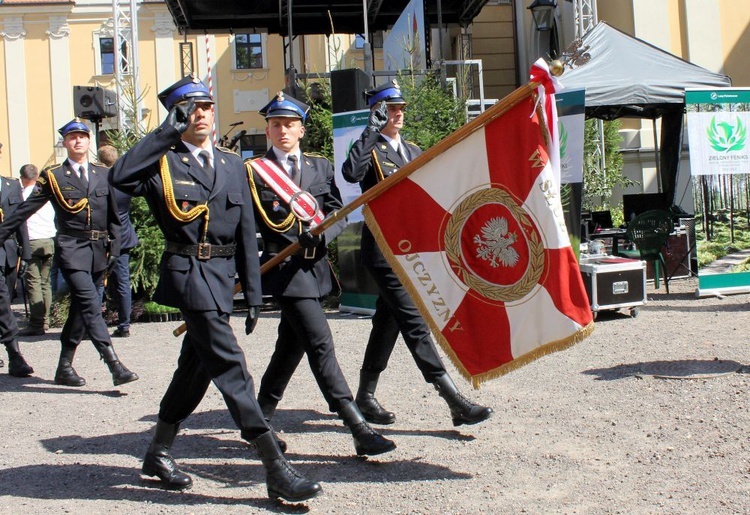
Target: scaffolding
(125,18)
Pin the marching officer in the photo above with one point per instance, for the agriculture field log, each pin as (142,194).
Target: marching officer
(201,200)
(87,228)
(378,153)
(303,279)
(10,198)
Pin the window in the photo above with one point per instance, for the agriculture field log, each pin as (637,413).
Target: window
(248,51)
(107,55)
(253,145)
(376,40)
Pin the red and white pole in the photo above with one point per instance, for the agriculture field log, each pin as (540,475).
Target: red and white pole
(210,84)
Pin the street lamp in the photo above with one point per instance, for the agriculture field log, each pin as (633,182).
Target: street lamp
(543,12)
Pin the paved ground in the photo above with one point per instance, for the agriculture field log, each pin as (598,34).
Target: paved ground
(587,430)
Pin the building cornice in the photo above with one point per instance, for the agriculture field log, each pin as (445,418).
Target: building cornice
(58,27)
(13,28)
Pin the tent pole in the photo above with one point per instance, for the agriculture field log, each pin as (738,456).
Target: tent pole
(656,156)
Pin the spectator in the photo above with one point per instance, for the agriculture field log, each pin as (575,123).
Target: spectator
(10,199)
(41,227)
(120,276)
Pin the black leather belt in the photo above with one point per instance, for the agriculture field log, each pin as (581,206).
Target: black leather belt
(273,247)
(85,235)
(201,250)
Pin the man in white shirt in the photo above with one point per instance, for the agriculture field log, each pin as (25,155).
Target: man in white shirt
(41,227)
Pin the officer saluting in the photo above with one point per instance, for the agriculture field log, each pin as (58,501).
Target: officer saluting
(201,200)
(87,227)
(299,283)
(379,152)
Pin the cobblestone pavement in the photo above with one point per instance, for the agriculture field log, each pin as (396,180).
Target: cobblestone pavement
(585,430)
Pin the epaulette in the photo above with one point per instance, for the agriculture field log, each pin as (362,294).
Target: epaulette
(51,168)
(314,154)
(99,163)
(411,143)
(226,150)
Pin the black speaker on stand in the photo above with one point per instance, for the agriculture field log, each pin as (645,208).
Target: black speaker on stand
(348,88)
(94,103)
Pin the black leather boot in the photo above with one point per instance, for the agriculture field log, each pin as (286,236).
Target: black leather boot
(371,409)
(120,373)
(66,375)
(463,410)
(268,407)
(282,481)
(158,461)
(17,366)
(366,440)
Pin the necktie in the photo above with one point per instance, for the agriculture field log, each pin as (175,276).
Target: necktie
(206,164)
(403,152)
(294,171)
(84,179)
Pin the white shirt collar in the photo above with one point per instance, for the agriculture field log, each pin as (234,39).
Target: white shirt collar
(283,157)
(197,150)
(75,165)
(393,142)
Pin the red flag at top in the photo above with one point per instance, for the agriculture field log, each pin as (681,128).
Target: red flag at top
(481,245)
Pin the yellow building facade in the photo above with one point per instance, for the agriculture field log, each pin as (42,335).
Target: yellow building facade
(50,46)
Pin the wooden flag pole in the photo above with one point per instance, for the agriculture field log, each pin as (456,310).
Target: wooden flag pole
(460,134)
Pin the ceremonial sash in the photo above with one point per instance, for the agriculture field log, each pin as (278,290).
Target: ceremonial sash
(301,202)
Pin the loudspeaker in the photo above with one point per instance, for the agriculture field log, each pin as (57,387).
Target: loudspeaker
(94,103)
(348,90)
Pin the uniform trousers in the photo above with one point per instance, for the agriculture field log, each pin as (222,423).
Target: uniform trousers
(210,352)
(38,281)
(8,324)
(304,329)
(85,313)
(396,312)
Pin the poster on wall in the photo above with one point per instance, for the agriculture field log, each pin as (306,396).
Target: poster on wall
(405,47)
(718,122)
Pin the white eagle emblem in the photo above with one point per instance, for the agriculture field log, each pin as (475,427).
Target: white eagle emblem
(496,245)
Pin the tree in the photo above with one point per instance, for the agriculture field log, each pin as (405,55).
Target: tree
(145,258)
(433,112)
(599,183)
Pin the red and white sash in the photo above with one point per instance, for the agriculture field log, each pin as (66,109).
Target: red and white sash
(301,202)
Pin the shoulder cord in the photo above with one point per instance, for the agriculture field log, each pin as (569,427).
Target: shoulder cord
(378,171)
(281,227)
(177,214)
(75,208)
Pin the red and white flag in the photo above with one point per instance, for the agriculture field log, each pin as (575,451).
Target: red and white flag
(477,236)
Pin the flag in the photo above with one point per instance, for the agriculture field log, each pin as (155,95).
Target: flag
(477,236)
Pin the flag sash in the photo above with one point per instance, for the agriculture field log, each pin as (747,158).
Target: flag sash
(302,203)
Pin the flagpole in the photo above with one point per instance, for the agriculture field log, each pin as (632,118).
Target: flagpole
(500,108)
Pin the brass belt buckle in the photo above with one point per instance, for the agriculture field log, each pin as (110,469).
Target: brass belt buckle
(309,253)
(204,251)
(94,235)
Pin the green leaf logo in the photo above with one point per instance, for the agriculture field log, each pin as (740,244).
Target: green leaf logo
(725,137)
(563,140)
